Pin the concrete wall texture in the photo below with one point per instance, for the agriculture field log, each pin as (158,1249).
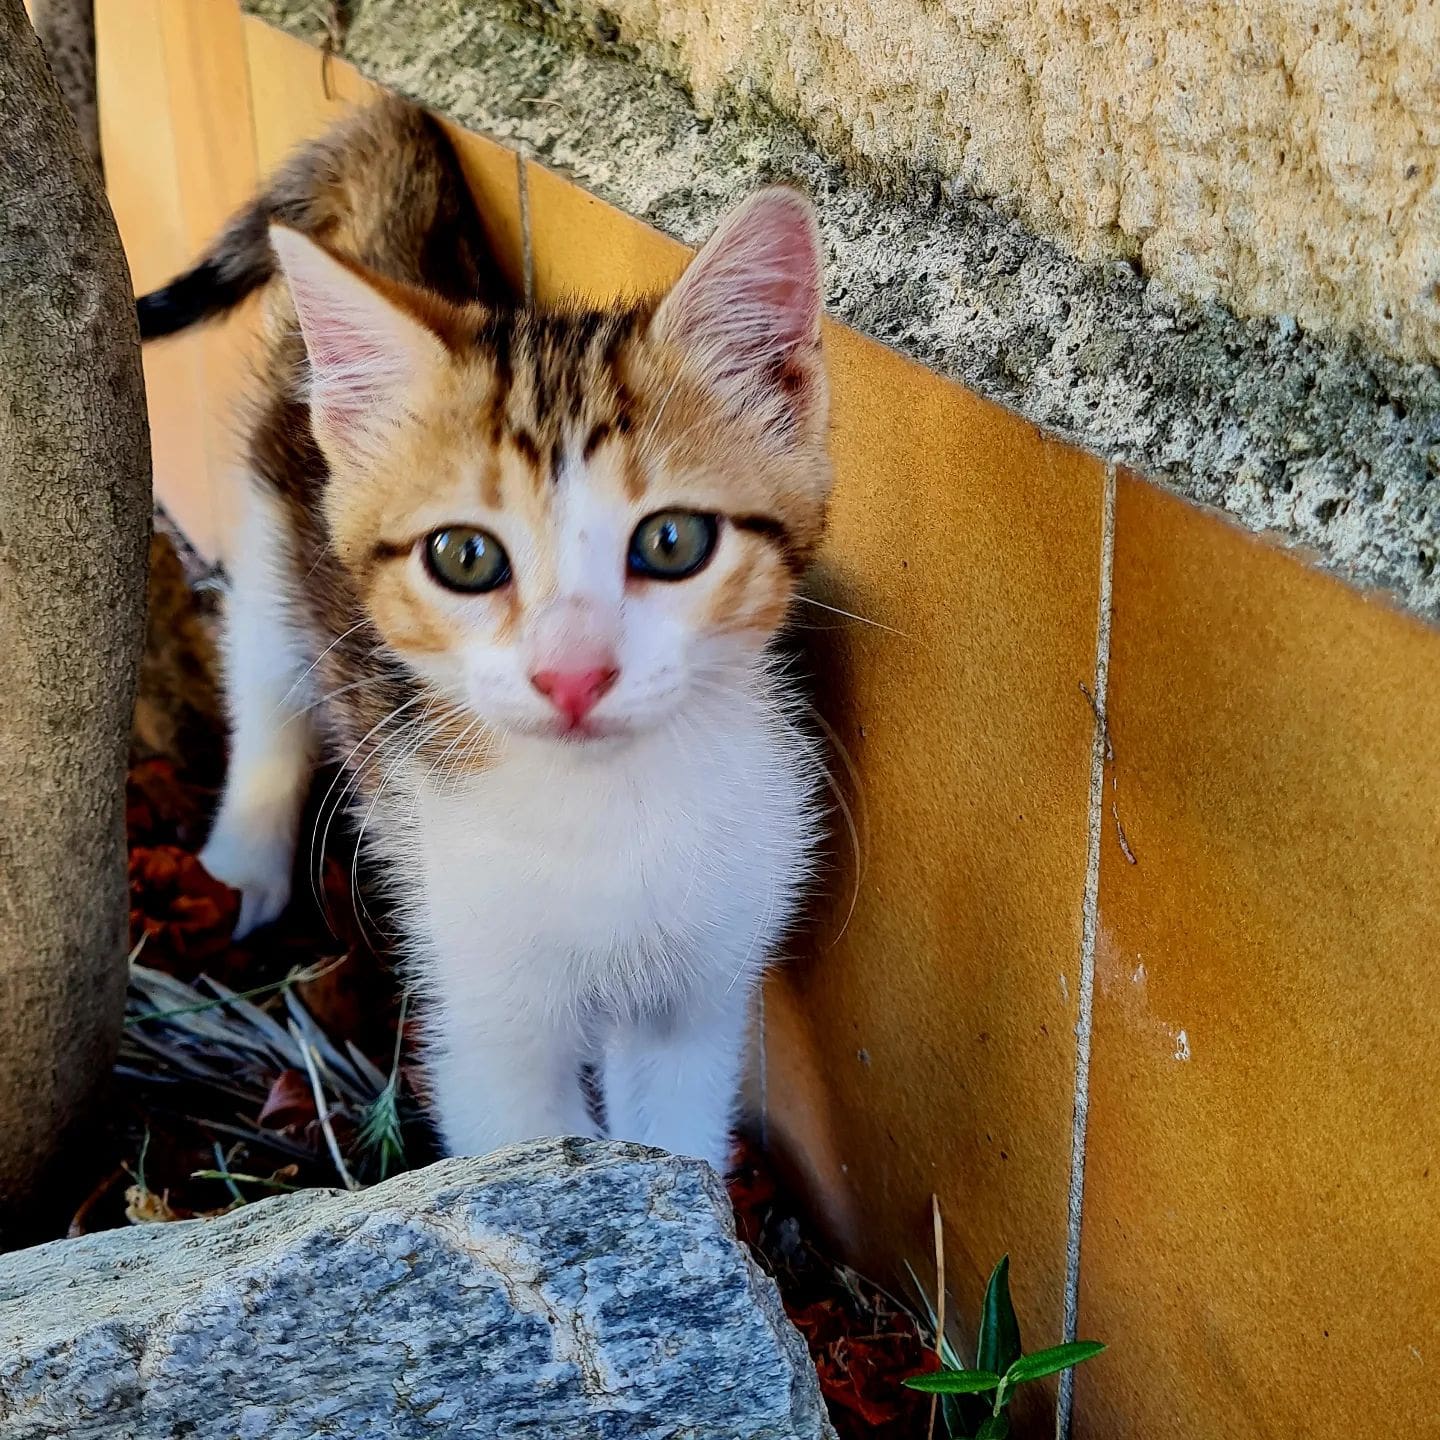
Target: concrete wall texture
(1281,155)
(1305,431)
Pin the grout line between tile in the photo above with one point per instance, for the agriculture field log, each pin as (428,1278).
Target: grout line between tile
(1090,915)
(527,249)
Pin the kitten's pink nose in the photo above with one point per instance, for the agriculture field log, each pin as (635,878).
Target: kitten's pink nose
(575,693)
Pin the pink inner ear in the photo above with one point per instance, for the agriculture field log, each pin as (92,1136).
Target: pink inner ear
(363,350)
(753,294)
(334,341)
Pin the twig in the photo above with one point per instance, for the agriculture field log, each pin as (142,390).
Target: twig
(222,1173)
(1120,831)
(265,1139)
(138,1173)
(322,1110)
(231,1176)
(336,22)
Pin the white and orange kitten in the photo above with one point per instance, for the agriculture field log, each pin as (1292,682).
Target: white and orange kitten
(522,570)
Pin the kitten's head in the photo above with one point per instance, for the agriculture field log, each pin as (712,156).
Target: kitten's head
(572,524)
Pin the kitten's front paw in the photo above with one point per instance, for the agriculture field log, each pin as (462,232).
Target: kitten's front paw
(256,865)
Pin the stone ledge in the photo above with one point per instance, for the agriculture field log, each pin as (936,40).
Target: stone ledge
(1317,444)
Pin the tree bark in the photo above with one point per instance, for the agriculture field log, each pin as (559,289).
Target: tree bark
(74,527)
(67,31)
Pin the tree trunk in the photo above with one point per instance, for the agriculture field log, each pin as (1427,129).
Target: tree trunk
(67,31)
(74,527)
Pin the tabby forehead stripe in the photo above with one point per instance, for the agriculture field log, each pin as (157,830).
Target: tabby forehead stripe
(524,442)
(633,473)
(596,438)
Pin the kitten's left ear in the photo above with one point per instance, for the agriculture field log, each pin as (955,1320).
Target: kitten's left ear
(750,303)
(366,351)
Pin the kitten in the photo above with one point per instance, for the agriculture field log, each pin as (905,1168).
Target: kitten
(521,569)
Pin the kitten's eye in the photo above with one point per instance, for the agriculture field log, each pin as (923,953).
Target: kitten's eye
(471,561)
(672,544)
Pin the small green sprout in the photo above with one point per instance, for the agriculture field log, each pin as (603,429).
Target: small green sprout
(1000,1367)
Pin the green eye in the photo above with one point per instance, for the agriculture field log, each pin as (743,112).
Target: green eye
(672,544)
(471,561)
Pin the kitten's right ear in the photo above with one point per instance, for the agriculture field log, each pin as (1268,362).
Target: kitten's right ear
(747,311)
(366,352)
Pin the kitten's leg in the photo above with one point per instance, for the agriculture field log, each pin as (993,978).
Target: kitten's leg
(252,844)
(497,1085)
(673,1082)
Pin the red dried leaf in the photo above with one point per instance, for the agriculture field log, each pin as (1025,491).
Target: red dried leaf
(184,913)
(159,810)
(861,1372)
(290,1103)
(752,1192)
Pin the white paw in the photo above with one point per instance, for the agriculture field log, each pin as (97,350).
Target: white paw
(258,865)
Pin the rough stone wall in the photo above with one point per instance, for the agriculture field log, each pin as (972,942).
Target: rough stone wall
(1322,443)
(1281,155)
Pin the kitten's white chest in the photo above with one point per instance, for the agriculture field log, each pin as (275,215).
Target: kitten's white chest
(618,879)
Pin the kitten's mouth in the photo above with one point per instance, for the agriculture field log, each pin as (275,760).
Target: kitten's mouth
(584,732)
(579,732)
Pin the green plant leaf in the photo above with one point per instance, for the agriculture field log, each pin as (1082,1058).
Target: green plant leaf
(1052,1361)
(999,1346)
(996,1427)
(954,1382)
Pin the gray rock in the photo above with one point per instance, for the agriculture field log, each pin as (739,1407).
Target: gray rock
(563,1288)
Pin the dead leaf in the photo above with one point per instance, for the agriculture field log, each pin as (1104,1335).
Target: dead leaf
(185,915)
(290,1103)
(145,1207)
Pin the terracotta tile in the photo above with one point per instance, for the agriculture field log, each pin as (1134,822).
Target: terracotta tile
(138,143)
(493,174)
(287,87)
(586,250)
(208,80)
(926,1042)
(209,92)
(1260,1241)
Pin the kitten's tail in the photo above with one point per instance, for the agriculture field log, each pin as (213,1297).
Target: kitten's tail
(384,185)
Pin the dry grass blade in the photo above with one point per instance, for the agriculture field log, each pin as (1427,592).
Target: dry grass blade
(214,1054)
(322,1109)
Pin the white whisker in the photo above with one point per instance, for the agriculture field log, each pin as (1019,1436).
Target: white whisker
(310,668)
(850,615)
(317,856)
